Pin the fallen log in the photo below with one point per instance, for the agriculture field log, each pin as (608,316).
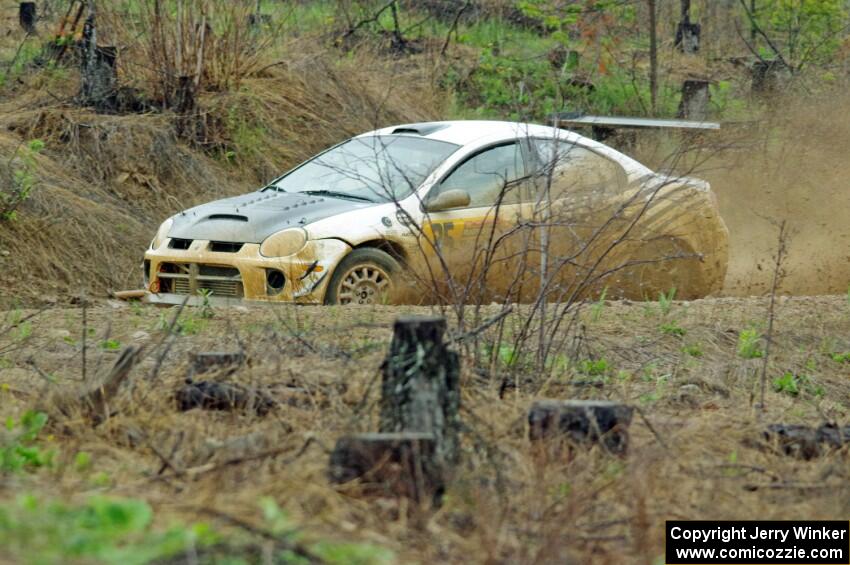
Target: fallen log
(209,395)
(581,422)
(806,442)
(129,294)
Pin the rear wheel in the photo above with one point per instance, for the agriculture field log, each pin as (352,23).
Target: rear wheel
(364,276)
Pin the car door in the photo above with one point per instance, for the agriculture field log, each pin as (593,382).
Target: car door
(579,196)
(474,241)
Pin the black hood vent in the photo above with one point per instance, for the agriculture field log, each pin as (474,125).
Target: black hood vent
(178,243)
(234,217)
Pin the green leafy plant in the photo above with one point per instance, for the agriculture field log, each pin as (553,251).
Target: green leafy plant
(22,179)
(598,306)
(792,384)
(102,530)
(206,309)
(332,552)
(18,448)
(110,344)
(672,328)
(665,301)
(749,344)
(593,368)
(693,349)
(185,325)
(841,357)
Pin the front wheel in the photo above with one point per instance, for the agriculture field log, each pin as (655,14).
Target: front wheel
(364,276)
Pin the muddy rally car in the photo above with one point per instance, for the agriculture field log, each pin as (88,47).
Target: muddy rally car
(470,209)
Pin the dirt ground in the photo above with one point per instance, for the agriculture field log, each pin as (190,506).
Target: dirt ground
(697,450)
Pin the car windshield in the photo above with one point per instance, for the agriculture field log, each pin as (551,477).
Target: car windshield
(377,168)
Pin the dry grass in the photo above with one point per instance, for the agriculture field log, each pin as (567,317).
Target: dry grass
(508,504)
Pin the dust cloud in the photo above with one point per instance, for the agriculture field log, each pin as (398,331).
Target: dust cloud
(792,166)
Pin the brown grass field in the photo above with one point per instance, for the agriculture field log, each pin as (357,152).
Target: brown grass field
(696,452)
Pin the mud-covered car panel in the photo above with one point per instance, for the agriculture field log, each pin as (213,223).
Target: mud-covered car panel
(253,217)
(305,273)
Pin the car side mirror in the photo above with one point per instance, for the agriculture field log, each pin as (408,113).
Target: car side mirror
(447,200)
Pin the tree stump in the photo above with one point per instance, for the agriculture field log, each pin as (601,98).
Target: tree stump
(695,99)
(767,76)
(805,442)
(687,37)
(581,422)
(27,16)
(420,389)
(687,33)
(185,108)
(100,78)
(398,465)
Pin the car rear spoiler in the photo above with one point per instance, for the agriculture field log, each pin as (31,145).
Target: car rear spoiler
(604,126)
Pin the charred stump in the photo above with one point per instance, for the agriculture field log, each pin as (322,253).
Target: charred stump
(210,395)
(185,107)
(397,465)
(687,33)
(27,16)
(581,422)
(768,75)
(687,37)
(805,442)
(695,100)
(100,78)
(420,389)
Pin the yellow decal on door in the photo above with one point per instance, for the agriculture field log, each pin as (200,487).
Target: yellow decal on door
(445,234)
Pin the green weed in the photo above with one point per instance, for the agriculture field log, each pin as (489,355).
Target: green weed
(693,349)
(792,385)
(18,448)
(22,180)
(206,309)
(749,344)
(110,344)
(672,328)
(665,301)
(841,357)
(185,325)
(593,368)
(102,530)
(598,306)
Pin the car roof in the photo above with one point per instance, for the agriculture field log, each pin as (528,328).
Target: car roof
(464,132)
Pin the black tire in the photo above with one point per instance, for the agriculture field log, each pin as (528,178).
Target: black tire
(364,263)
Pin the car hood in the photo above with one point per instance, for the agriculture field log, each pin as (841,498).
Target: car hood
(253,217)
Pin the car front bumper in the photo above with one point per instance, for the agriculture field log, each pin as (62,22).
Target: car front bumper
(202,272)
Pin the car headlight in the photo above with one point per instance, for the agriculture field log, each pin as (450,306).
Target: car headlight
(161,233)
(284,243)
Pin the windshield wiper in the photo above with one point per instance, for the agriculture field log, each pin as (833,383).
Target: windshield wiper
(335,194)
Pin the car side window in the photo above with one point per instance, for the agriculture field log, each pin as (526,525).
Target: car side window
(485,175)
(576,169)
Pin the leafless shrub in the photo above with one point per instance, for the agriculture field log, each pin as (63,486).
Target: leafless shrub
(209,43)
